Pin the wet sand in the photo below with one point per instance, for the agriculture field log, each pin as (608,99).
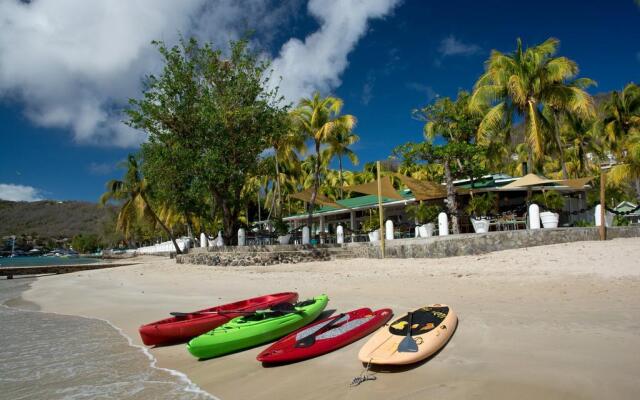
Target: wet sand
(552,322)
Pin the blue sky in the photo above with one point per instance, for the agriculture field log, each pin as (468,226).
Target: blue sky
(387,58)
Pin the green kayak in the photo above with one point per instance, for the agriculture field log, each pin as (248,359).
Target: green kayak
(252,330)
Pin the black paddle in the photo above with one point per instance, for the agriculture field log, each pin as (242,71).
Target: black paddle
(408,344)
(309,340)
(280,307)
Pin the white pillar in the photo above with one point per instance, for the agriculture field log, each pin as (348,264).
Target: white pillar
(534,216)
(242,237)
(388,230)
(203,240)
(219,239)
(322,229)
(417,231)
(305,235)
(340,234)
(352,216)
(443,224)
(608,217)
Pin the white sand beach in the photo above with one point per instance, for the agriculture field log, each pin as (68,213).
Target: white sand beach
(552,322)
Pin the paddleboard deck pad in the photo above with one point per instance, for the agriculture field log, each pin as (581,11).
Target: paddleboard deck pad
(326,335)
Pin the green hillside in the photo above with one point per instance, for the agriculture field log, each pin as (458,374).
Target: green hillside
(53,219)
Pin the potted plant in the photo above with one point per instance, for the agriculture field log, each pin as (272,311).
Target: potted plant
(550,201)
(478,208)
(371,225)
(282,230)
(425,215)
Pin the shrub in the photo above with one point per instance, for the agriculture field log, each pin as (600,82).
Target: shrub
(550,200)
(424,213)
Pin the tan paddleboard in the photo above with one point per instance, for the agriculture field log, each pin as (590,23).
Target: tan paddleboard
(432,326)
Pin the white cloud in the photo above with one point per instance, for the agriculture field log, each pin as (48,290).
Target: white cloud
(73,64)
(450,46)
(317,62)
(13,192)
(427,90)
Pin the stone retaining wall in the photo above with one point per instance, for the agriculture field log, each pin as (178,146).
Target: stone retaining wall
(243,257)
(480,243)
(434,247)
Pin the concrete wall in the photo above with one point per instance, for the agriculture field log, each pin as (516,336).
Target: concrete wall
(480,243)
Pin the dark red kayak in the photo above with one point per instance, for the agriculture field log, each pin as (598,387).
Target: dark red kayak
(326,335)
(185,327)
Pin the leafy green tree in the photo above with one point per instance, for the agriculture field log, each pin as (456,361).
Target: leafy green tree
(133,194)
(86,243)
(209,118)
(460,157)
(459,160)
(319,119)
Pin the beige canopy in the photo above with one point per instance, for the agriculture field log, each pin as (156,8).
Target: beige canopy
(387,189)
(423,190)
(305,195)
(575,183)
(528,181)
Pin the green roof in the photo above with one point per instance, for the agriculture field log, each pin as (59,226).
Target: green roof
(357,202)
(484,183)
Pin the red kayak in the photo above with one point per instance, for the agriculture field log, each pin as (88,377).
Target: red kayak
(185,327)
(326,335)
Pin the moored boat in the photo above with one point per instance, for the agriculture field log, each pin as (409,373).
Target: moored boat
(181,328)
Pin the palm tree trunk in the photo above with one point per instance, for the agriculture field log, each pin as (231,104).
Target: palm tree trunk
(341,180)
(316,184)
(164,227)
(556,135)
(279,205)
(452,205)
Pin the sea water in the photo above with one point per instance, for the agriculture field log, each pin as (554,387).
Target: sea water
(42,260)
(52,356)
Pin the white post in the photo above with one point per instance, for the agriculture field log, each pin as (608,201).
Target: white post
(305,235)
(443,224)
(242,237)
(322,229)
(608,217)
(352,217)
(417,231)
(340,234)
(388,229)
(534,216)
(203,240)
(219,240)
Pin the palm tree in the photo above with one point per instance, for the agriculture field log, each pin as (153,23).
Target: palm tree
(319,119)
(567,100)
(133,191)
(622,132)
(519,83)
(286,149)
(338,146)
(584,140)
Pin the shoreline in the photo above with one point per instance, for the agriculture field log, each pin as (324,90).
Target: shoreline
(17,302)
(510,303)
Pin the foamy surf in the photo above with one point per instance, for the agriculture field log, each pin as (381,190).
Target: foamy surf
(57,356)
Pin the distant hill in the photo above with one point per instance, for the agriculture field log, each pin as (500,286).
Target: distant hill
(53,219)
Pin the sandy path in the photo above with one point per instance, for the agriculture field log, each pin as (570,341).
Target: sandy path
(553,322)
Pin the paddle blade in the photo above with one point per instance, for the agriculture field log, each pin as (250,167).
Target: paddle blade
(179,314)
(408,345)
